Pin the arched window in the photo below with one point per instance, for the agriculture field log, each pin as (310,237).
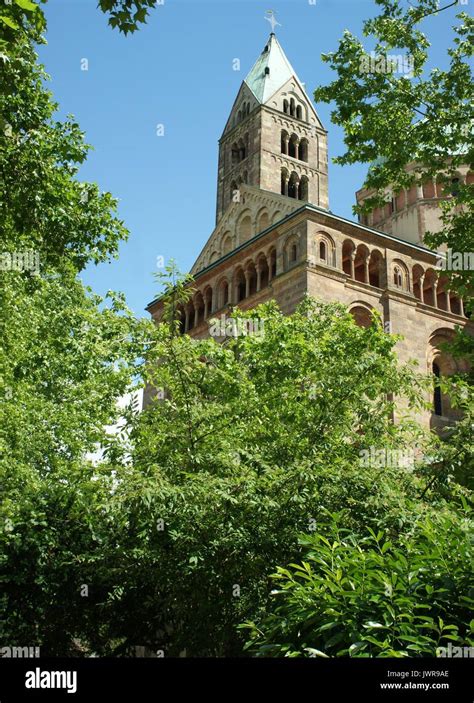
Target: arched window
(455,304)
(199,308)
(429,287)
(223,293)
(397,277)
(285,106)
(303,189)
(239,286)
(293,146)
(292,107)
(299,112)
(324,249)
(361,264)
(293,186)
(303,150)
(348,249)
(362,316)
(293,253)
(284,142)
(252,277)
(264,270)
(375,268)
(417,276)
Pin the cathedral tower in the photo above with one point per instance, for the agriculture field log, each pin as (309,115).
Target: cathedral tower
(273,139)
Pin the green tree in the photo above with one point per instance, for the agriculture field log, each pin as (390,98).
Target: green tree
(393,120)
(66,357)
(244,446)
(17,17)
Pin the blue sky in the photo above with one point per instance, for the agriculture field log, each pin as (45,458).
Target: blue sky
(177,71)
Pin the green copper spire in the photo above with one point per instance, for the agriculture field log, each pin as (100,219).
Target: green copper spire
(271,70)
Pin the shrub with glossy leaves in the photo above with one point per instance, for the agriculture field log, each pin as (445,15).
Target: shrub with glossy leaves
(371,597)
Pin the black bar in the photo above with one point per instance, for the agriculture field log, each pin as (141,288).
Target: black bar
(169,679)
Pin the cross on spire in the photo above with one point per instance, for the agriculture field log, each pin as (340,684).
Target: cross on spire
(272,19)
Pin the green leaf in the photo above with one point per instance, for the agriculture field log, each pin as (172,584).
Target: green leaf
(9,22)
(27,5)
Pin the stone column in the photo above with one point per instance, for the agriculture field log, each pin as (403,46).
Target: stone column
(196,316)
(353,256)
(448,301)
(366,269)
(259,277)
(269,264)
(461,307)
(435,293)
(186,319)
(247,283)
(422,292)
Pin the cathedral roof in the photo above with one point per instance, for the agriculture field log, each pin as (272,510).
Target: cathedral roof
(270,72)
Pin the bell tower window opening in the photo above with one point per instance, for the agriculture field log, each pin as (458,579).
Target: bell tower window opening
(293,186)
(293,146)
(303,189)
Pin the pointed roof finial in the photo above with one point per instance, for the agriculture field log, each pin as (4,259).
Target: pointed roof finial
(272,19)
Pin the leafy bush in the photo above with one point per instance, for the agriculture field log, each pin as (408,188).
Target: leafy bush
(370,597)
